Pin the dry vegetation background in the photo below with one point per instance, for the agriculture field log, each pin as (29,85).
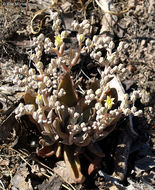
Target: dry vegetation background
(20,168)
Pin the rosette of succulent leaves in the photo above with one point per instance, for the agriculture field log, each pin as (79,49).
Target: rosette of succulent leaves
(68,121)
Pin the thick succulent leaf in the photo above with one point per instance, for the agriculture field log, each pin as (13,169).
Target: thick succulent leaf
(116,83)
(109,128)
(57,126)
(87,111)
(73,164)
(105,133)
(70,98)
(81,106)
(115,119)
(82,140)
(46,151)
(48,139)
(89,114)
(64,116)
(29,99)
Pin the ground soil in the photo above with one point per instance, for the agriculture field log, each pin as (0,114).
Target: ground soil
(19,166)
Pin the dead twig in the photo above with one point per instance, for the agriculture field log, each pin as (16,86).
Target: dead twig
(50,171)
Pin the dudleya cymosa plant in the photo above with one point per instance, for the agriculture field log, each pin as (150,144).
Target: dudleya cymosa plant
(67,120)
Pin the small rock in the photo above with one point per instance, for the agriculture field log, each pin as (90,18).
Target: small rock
(143,43)
(53,183)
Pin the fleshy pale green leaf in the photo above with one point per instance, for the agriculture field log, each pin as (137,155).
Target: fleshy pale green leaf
(28,99)
(70,98)
(57,127)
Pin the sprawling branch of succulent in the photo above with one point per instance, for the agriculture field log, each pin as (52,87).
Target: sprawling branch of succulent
(69,120)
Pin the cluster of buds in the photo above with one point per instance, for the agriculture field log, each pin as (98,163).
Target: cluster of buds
(99,43)
(95,47)
(46,45)
(38,43)
(54,16)
(81,28)
(134,96)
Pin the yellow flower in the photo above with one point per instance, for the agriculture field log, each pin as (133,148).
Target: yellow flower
(109,102)
(58,41)
(39,99)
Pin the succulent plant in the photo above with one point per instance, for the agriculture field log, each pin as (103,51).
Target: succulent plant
(67,120)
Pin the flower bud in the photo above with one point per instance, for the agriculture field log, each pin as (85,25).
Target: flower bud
(33,57)
(32,72)
(80,37)
(95,38)
(64,34)
(41,37)
(25,68)
(88,42)
(110,58)
(39,65)
(98,92)
(111,45)
(41,85)
(38,54)
(98,106)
